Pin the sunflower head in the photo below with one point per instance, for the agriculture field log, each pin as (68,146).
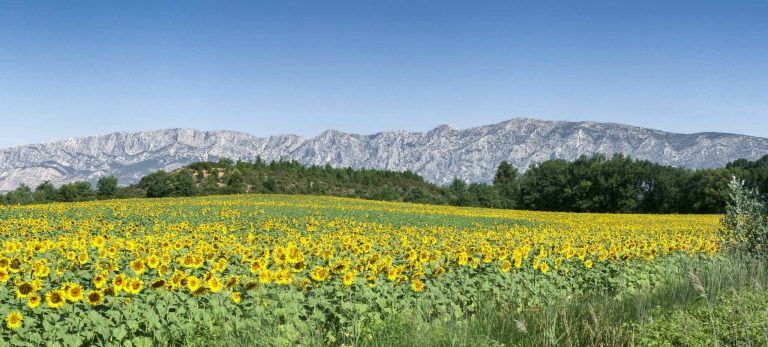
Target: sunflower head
(23,290)
(251,285)
(94,298)
(200,291)
(231,282)
(349,278)
(134,286)
(34,300)
(157,284)
(74,292)
(138,266)
(13,320)
(55,298)
(417,286)
(193,283)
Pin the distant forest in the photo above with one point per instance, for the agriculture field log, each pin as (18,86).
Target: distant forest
(588,184)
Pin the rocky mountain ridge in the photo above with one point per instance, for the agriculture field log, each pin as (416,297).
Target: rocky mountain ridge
(439,154)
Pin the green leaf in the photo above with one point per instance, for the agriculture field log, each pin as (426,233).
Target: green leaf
(119,333)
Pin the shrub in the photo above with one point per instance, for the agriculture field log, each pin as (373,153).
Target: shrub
(746,217)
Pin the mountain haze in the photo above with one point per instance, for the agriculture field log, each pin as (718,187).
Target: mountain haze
(439,154)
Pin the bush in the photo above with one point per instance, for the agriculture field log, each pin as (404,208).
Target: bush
(746,217)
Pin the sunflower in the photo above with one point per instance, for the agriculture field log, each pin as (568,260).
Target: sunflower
(83,258)
(193,283)
(251,285)
(256,266)
(4,276)
(157,284)
(544,267)
(463,258)
(55,298)
(283,277)
(74,292)
(15,265)
(178,278)
(588,263)
(417,286)
(231,282)
(94,298)
(138,266)
(582,253)
(98,241)
(393,273)
(349,278)
(299,266)
(215,284)
(109,291)
(119,282)
(100,279)
(236,297)
(13,320)
(200,291)
(34,300)
(153,262)
(41,270)
(320,273)
(134,286)
(303,283)
(265,276)
(506,266)
(23,289)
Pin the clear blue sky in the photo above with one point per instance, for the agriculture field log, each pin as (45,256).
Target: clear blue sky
(71,68)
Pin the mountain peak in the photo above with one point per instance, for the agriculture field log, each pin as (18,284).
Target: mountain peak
(439,154)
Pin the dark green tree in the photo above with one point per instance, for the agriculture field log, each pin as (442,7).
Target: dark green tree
(235,183)
(184,184)
(45,192)
(505,182)
(20,196)
(76,191)
(106,187)
(157,185)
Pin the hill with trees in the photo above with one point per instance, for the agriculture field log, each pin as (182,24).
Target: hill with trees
(588,184)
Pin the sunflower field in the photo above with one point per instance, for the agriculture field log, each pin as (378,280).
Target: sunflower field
(302,270)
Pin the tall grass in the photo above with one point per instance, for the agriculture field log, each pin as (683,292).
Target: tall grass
(595,320)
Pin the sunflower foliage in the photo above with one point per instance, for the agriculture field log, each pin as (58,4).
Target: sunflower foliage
(746,217)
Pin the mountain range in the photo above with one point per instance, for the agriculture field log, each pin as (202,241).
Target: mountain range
(439,155)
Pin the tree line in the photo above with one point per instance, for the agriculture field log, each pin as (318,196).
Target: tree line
(588,184)
(238,177)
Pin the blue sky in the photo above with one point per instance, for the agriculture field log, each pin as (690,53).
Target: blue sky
(71,68)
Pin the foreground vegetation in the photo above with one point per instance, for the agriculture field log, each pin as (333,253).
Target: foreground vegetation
(285,270)
(588,184)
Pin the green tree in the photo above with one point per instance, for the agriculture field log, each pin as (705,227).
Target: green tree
(76,191)
(235,183)
(106,187)
(505,182)
(543,187)
(45,192)
(20,196)
(157,185)
(184,184)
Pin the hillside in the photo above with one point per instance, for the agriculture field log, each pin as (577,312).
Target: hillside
(288,177)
